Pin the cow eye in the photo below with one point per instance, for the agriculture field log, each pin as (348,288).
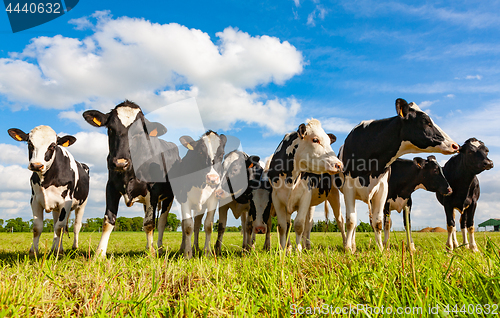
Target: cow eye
(316,140)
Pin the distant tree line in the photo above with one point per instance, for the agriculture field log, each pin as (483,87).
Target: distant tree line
(125,224)
(90,225)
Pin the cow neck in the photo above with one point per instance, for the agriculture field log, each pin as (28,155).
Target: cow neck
(380,148)
(462,175)
(55,176)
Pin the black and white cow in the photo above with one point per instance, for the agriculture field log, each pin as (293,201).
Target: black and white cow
(59,183)
(461,171)
(194,180)
(241,174)
(293,172)
(371,147)
(132,140)
(407,176)
(260,215)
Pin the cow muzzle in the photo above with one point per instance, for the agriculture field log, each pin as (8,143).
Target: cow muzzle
(121,164)
(35,166)
(221,194)
(260,230)
(488,165)
(212,179)
(335,167)
(449,191)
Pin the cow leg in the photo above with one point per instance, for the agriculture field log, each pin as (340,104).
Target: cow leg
(387,224)
(60,221)
(470,211)
(409,241)
(351,218)
(463,228)
(78,223)
(209,221)
(112,201)
(149,222)
(306,238)
(377,208)
(187,230)
(197,226)
(334,200)
(267,243)
(450,222)
(283,220)
(166,205)
(221,228)
(300,222)
(247,230)
(37,226)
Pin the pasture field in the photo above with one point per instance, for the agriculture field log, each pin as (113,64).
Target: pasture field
(321,281)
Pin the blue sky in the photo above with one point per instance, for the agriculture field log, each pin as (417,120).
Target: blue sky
(257,70)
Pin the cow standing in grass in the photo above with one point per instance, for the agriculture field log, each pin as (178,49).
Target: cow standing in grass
(370,149)
(136,160)
(194,180)
(59,183)
(406,177)
(241,174)
(461,171)
(300,158)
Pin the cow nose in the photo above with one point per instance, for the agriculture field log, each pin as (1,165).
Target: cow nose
(450,191)
(260,230)
(219,194)
(488,165)
(36,166)
(121,164)
(212,179)
(338,166)
(455,146)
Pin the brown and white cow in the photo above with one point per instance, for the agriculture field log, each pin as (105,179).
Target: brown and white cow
(59,183)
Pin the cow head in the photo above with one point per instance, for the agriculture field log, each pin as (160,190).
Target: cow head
(42,142)
(431,175)
(314,152)
(260,210)
(205,155)
(419,133)
(475,155)
(118,121)
(239,173)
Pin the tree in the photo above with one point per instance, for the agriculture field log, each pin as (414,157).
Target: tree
(173,223)
(323,226)
(17,225)
(364,227)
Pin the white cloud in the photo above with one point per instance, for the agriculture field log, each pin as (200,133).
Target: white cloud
(478,77)
(319,12)
(11,154)
(337,124)
(144,61)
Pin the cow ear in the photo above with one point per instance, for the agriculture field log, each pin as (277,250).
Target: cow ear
(66,141)
(187,142)
(18,134)
(419,162)
(302,131)
(333,138)
(155,129)
(252,160)
(223,140)
(431,158)
(96,118)
(402,108)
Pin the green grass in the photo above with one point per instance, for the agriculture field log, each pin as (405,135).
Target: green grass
(132,283)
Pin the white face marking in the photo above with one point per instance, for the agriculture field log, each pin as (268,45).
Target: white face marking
(41,138)
(212,143)
(476,144)
(260,198)
(127,115)
(366,122)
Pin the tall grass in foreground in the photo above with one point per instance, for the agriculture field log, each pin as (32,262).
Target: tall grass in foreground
(132,283)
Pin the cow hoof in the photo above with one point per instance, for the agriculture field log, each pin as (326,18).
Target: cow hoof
(34,255)
(412,248)
(474,248)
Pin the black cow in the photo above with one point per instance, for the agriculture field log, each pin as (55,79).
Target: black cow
(59,183)
(136,160)
(194,180)
(369,150)
(241,174)
(407,176)
(461,171)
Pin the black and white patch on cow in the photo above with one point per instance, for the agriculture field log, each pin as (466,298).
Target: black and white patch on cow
(300,155)
(461,172)
(59,183)
(406,177)
(194,180)
(241,174)
(131,166)
(369,150)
